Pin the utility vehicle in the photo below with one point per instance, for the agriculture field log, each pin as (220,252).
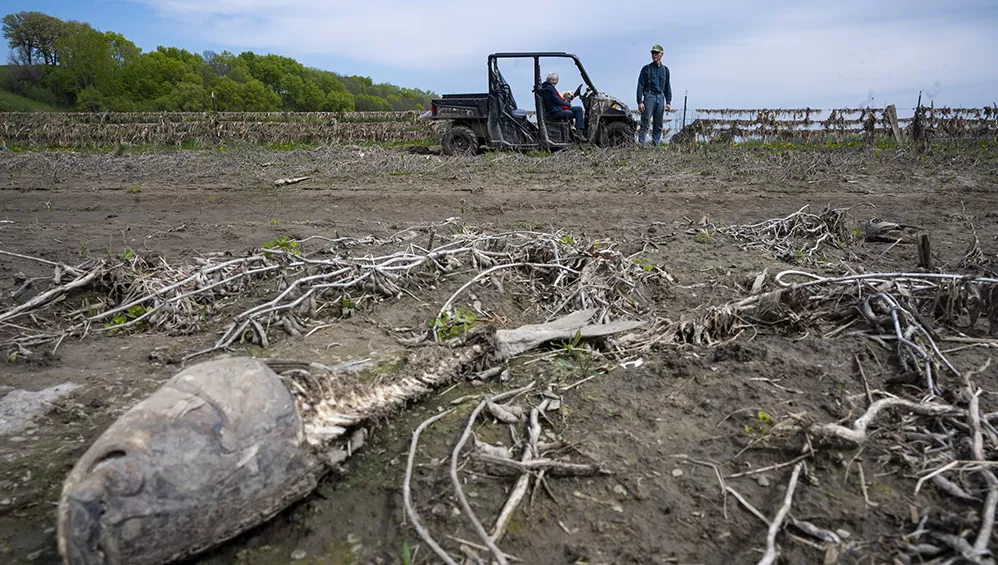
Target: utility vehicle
(494,119)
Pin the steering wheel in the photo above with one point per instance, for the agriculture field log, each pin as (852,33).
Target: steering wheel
(578,91)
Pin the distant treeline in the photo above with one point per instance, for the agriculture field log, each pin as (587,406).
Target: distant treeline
(71,65)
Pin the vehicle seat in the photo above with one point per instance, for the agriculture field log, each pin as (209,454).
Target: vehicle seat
(510,103)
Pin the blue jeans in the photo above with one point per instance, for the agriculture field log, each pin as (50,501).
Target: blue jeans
(654,107)
(575,112)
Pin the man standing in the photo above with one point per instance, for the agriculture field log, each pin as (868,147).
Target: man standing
(654,96)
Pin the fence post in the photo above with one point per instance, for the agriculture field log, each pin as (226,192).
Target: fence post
(892,118)
(918,127)
(685,96)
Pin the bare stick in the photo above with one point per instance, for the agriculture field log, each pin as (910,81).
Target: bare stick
(450,301)
(793,461)
(557,468)
(407,493)
(720,479)
(943,469)
(774,528)
(815,532)
(49,294)
(202,272)
(746,504)
(857,433)
(866,384)
(480,546)
(456,481)
(522,483)
(988,519)
(40,260)
(862,486)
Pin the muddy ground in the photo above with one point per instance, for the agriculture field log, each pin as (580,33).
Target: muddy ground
(644,424)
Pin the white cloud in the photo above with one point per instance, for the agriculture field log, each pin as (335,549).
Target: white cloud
(727,52)
(844,62)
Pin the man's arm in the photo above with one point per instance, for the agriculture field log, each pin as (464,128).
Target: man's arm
(642,78)
(668,86)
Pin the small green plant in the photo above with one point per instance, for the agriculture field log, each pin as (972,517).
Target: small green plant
(347,307)
(126,255)
(574,354)
(452,324)
(128,315)
(643,263)
(274,222)
(134,189)
(702,237)
(284,244)
(212,198)
(406,555)
(764,417)
(522,225)
(567,240)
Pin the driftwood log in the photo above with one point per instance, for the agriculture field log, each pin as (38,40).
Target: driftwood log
(225,445)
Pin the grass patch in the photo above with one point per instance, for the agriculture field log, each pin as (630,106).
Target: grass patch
(293,146)
(10,102)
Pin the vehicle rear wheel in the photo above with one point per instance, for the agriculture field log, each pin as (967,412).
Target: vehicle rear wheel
(460,141)
(615,134)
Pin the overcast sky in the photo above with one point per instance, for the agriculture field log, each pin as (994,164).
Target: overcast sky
(724,53)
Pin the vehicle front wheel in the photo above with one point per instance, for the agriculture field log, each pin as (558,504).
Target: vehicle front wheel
(460,141)
(615,134)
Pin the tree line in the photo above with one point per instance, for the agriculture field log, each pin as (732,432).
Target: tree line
(70,64)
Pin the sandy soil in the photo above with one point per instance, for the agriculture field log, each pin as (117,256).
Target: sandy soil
(645,424)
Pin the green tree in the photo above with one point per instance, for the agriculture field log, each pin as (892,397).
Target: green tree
(32,36)
(85,56)
(152,75)
(94,70)
(122,50)
(339,101)
(369,103)
(184,97)
(91,99)
(258,98)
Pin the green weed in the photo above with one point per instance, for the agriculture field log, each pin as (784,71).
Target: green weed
(126,255)
(575,355)
(128,315)
(452,324)
(406,555)
(347,307)
(284,244)
(643,263)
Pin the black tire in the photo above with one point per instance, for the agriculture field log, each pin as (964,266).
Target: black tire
(615,134)
(460,141)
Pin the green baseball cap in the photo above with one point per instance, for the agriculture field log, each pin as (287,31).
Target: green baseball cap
(657,49)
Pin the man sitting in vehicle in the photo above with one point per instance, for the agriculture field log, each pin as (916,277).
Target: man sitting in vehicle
(555,105)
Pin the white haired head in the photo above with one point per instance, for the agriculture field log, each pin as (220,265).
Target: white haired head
(553,77)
